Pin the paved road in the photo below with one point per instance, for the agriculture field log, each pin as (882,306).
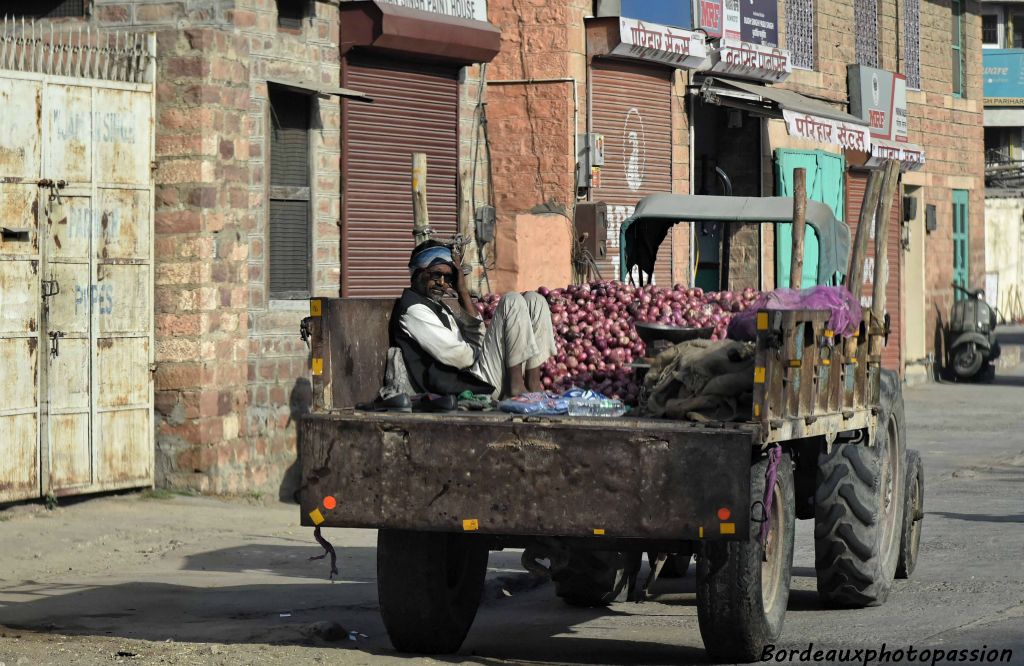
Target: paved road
(186,580)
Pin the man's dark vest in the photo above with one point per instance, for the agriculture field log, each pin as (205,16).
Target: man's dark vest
(426,373)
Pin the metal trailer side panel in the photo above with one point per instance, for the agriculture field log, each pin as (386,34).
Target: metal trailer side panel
(558,477)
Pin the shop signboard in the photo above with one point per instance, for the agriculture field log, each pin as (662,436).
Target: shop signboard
(880,99)
(828,131)
(663,44)
(754,21)
(666,12)
(750,61)
(909,155)
(1003,77)
(759,21)
(466,9)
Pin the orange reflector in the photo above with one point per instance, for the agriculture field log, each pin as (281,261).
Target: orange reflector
(330,503)
(757,411)
(759,375)
(794,363)
(762,321)
(701,532)
(471,524)
(316,516)
(315,307)
(727,528)
(599,531)
(318,366)
(724,513)
(829,333)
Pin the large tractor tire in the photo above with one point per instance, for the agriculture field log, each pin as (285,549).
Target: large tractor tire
(913,513)
(742,586)
(859,509)
(429,586)
(593,578)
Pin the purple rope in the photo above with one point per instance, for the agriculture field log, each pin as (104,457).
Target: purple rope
(774,458)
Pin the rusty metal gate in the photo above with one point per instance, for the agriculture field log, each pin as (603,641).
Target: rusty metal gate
(76,261)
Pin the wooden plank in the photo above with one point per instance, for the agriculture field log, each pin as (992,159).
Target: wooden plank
(796,270)
(420,216)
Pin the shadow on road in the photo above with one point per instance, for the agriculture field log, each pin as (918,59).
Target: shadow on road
(979,517)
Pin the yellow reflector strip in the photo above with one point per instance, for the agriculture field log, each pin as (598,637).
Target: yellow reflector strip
(759,375)
(794,363)
(316,516)
(826,361)
(315,307)
(598,531)
(700,531)
(471,524)
(762,321)
(757,411)
(727,528)
(829,333)
(318,366)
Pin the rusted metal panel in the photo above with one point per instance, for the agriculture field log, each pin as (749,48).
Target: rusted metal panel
(122,366)
(121,299)
(69,229)
(124,225)
(566,477)
(20,137)
(69,133)
(19,465)
(126,453)
(71,462)
(631,105)
(19,297)
(121,135)
(19,207)
(415,109)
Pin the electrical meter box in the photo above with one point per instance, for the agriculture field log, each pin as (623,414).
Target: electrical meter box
(590,160)
(592,228)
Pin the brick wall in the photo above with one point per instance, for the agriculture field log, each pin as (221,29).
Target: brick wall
(949,127)
(231,374)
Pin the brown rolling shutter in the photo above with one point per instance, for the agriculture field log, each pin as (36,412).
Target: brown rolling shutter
(856,183)
(414,109)
(631,105)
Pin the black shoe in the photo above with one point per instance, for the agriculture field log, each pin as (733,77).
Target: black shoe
(396,403)
(437,403)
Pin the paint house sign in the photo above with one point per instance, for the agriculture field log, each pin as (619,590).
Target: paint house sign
(465,9)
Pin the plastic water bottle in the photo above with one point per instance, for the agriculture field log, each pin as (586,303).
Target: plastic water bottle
(596,407)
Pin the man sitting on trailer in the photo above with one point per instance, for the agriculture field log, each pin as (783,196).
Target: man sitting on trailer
(448,351)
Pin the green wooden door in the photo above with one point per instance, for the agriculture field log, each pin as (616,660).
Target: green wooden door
(961,247)
(824,184)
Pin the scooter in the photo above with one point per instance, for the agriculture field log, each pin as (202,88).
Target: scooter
(972,328)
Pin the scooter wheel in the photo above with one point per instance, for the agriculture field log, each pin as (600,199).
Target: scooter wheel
(967,361)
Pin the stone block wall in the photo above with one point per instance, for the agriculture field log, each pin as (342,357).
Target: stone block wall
(231,372)
(949,127)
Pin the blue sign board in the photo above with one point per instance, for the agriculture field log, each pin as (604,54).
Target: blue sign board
(666,12)
(1004,77)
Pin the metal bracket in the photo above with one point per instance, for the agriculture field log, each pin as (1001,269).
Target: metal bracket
(55,337)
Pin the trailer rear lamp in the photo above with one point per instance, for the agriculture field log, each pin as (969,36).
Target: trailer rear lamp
(330,502)
(724,513)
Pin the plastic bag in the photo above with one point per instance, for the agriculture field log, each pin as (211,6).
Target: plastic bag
(845,309)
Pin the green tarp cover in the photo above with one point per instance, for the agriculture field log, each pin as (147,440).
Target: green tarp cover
(643,232)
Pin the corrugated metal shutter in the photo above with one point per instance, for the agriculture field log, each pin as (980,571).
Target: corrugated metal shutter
(415,109)
(631,105)
(856,183)
(290,240)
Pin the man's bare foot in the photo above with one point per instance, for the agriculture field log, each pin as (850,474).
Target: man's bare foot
(533,380)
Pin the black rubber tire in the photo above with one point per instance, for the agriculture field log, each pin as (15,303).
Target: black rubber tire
(858,509)
(967,360)
(735,620)
(429,585)
(913,513)
(676,566)
(593,578)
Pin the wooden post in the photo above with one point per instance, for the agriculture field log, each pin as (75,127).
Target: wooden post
(889,183)
(796,267)
(876,338)
(420,218)
(855,275)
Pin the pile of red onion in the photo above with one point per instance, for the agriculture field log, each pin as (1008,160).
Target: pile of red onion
(595,334)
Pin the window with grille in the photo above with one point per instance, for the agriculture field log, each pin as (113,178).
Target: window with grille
(957,46)
(290,13)
(865,16)
(43,8)
(290,239)
(990,30)
(912,43)
(800,32)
